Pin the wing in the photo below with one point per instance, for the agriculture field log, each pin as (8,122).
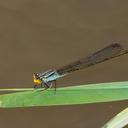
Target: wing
(102,55)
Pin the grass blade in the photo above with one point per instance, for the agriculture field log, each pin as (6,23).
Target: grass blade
(15,89)
(83,94)
(119,121)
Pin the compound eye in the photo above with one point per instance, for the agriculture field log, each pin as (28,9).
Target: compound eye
(35,75)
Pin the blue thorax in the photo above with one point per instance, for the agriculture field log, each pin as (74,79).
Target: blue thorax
(49,76)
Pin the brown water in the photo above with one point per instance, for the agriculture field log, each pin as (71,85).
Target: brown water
(42,34)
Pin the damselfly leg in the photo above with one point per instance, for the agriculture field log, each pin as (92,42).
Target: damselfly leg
(47,86)
(54,85)
(50,85)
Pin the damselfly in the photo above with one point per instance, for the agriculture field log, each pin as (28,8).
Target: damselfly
(46,79)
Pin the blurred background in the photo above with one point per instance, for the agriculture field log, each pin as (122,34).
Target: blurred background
(44,34)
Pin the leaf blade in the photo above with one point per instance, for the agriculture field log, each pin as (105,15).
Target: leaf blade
(83,94)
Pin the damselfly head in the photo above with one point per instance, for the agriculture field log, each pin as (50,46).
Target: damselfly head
(35,75)
(36,79)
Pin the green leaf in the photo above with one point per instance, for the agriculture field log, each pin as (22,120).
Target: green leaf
(83,94)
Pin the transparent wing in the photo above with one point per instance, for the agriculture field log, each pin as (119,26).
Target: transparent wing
(102,55)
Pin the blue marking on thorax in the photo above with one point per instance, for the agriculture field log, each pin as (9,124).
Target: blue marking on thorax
(50,75)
